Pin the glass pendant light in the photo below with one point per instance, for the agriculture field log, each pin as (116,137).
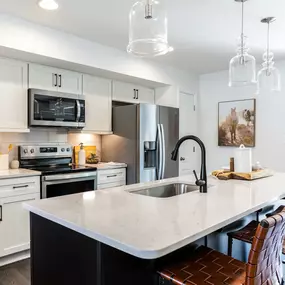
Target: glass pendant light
(268,77)
(243,66)
(148,31)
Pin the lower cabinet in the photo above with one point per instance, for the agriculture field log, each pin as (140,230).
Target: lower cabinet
(14,219)
(110,178)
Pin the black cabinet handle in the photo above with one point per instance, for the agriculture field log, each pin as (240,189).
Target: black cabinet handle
(1,213)
(135,94)
(54,81)
(22,186)
(110,176)
(60,77)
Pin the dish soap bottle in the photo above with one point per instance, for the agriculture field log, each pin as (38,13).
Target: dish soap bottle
(81,155)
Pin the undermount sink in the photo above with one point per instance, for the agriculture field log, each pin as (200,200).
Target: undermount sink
(169,190)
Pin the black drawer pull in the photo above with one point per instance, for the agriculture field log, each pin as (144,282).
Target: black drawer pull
(1,212)
(22,186)
(110,176)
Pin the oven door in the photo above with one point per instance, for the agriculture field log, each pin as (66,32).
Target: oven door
(55,109)
(67,184)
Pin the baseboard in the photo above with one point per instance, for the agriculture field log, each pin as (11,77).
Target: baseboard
(14,257)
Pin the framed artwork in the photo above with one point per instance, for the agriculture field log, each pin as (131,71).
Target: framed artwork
(237,123)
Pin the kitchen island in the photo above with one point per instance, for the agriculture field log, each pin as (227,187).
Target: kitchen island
(115,236)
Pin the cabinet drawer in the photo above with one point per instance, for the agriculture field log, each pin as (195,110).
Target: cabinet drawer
(19,186)
(111,185)
(112,175)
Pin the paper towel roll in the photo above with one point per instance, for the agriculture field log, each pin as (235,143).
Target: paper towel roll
(243,159)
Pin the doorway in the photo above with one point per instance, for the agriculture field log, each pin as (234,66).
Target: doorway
(188,126)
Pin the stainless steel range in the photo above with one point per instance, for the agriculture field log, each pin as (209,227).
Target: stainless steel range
(59,176)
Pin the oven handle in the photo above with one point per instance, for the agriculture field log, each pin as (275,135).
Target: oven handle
(60,177)
(78,110)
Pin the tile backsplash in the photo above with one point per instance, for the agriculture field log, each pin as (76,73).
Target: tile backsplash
(46,136)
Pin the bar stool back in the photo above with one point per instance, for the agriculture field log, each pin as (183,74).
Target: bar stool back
(207,266)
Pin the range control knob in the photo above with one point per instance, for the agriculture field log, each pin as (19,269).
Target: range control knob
(62,150)
(68,149)
(32,150)
(25,150)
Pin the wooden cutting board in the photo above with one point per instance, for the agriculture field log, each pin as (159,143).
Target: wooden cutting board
(88,150)
(226,175)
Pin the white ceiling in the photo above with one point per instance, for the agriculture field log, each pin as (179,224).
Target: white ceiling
(203,32)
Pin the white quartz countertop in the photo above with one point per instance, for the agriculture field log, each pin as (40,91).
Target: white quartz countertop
(149,227)
(15,173)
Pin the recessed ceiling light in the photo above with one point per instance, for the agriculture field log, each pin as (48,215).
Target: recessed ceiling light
(48,4)
(170,49)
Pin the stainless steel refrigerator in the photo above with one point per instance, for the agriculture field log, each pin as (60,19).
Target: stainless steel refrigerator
(144,137)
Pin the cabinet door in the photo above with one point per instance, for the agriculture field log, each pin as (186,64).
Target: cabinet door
(43,77)
(13,90)
(187,152)
(124,92)
(131,93)
(14,224)
(98,98)
(69,82)
(145,95)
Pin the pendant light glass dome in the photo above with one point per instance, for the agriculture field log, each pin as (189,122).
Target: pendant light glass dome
(268,78)
(242,69)
(148,31)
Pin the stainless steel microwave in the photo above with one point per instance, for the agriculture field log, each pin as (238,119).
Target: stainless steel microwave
(55,109)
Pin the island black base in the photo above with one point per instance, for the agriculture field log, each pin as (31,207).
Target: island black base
(60,256)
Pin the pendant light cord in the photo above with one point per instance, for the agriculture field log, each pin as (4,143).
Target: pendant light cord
(148,10)
(268,44)
(242,28)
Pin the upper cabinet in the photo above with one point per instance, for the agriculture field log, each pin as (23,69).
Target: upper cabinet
(98,98)
(54,79)
(130,93)
(13,90)
(69,81)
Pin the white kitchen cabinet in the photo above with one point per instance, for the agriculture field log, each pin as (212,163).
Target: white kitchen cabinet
(98,98)
(42,77)
(131,93)
(69,81)
(13,90)
(54,79)
(110,178)
(14,224)
(14,219)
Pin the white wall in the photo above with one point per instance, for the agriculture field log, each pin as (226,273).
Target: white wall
(23,36)
(270,125)
(42,137)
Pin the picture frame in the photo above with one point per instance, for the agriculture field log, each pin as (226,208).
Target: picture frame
(237,123)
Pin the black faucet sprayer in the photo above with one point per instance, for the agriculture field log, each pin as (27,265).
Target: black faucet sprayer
(202,182)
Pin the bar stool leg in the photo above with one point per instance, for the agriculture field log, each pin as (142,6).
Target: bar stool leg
(206,241)
(230,246)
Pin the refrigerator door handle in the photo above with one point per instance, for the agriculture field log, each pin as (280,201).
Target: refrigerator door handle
(163,152)
(159,145)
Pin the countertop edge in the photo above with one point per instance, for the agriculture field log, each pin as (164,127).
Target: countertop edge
(145,253)
(11,175)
